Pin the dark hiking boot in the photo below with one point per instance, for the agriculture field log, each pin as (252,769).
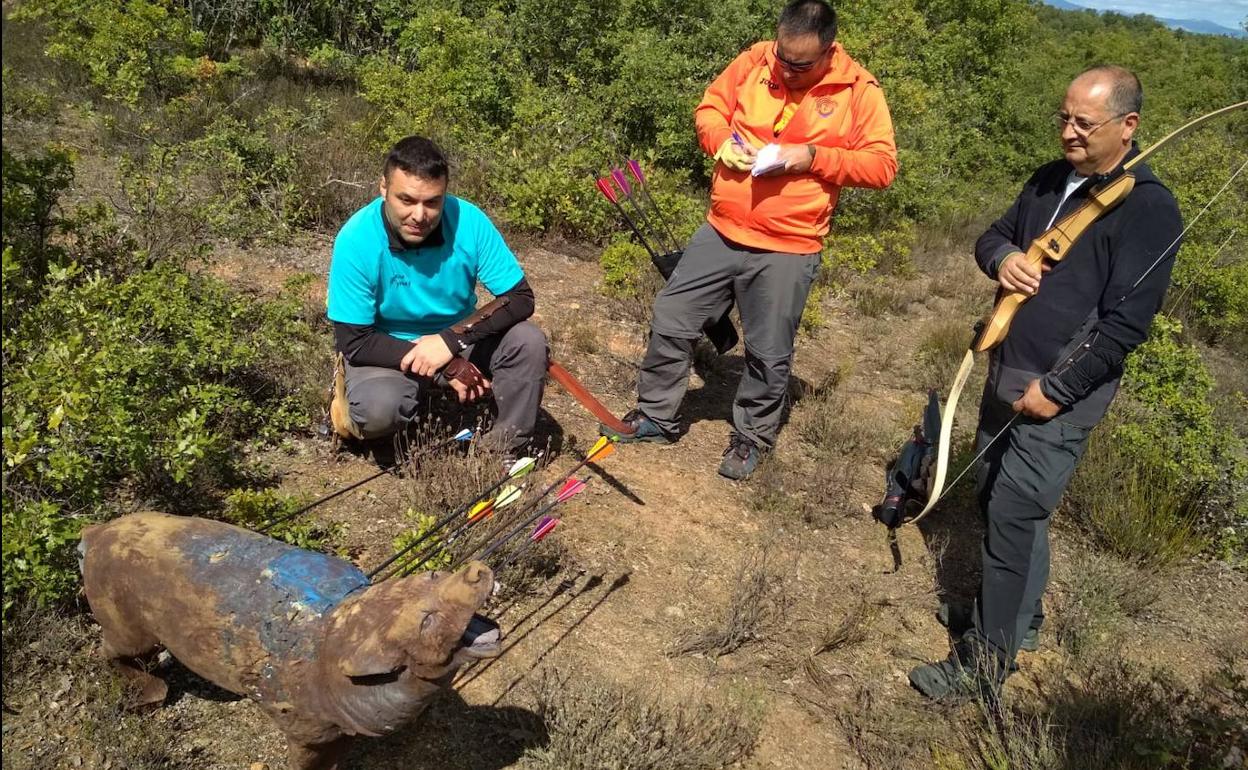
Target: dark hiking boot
(740,458)
(958,617)
(970,671)
(643,430)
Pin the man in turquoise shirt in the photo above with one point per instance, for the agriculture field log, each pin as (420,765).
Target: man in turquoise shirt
(402,288)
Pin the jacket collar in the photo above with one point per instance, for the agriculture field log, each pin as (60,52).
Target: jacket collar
(843,70)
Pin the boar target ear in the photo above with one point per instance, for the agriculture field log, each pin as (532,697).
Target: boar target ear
(376,656)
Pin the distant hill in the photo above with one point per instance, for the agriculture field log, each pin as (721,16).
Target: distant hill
(1201,26)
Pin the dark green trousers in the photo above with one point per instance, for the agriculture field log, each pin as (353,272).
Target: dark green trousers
(1021,480)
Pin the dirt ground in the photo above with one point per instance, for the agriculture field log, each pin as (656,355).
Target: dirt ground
(656,548)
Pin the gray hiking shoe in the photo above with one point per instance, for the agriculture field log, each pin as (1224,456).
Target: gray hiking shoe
(968,672)
(740,458)
(958,617)
(644,430)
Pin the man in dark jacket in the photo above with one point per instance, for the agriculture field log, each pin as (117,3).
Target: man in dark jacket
(1060,365)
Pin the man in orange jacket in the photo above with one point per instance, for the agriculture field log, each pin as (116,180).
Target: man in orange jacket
(828,125)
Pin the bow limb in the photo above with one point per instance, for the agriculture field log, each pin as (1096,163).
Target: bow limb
(946,435)
(1181,130)
(586,399)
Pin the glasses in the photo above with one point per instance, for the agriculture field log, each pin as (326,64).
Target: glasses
(1083,127)
(799,67)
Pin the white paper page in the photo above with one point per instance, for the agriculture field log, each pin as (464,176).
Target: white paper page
(768,159)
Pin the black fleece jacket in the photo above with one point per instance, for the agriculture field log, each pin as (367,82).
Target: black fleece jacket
(1079,327)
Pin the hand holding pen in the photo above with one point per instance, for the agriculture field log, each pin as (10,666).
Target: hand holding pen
(736,153)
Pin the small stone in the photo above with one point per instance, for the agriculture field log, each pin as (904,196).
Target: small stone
(258,766)
(673,612)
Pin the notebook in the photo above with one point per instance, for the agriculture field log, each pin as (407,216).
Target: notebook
(768,159)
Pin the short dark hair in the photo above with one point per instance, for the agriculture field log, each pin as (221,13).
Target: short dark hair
(1125,94)
(416,155)
(809,17)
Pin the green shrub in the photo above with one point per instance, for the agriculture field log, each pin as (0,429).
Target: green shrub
(131,48)
(123,377)
(623,263)
(1162,478)
(439,556)
(273,511)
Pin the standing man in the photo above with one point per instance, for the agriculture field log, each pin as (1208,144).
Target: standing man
(1060,365)
(402,291)
(761,243)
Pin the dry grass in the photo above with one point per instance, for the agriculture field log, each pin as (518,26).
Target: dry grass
(829,422)
(1102,592)
(877,299)
(65,707)
(940,352)
(1115,715)
(593,725)
(1136,512)
(755,607)
(884,734)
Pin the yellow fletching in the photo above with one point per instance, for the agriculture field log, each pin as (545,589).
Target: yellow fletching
(604,451)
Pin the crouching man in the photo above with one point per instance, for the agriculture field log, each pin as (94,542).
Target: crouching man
(402,296)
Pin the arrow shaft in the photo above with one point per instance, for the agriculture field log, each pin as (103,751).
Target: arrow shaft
(321,501)
(517,529)
(658,214)
(437,527)
(511,557)
(641,238)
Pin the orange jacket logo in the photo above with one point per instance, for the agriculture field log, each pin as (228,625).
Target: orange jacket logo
(825,105)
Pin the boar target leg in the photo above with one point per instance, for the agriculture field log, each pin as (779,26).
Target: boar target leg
(317,756)
(149,688)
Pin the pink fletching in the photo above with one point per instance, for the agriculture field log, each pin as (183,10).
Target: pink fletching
(544,530)
(606,190)
(570,488)
(621,181)
(635,169)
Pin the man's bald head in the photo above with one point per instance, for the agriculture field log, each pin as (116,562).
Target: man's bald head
(1124,94)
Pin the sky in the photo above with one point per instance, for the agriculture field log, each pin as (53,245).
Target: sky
(1228,13)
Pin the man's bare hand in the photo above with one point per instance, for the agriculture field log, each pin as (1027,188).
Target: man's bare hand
(467,393)
(1017,274)
(1035,404)
(427,356)
(797,160)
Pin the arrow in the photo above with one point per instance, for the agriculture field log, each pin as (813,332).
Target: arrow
(568,487)
(506,496)
(604,187)
(463,435)
(539,534)
(626,192)
(571,488)
(518,469)
(634,168)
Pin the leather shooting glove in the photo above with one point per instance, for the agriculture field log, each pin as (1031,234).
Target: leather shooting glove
(463,370)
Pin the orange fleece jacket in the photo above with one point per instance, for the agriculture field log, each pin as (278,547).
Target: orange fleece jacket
(843,115)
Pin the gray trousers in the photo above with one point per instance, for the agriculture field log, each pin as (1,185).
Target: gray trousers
(770,290)
(1020,483)
(383,401)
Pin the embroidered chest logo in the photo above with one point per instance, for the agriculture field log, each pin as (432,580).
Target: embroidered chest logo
(825,106)
(399,280)
(771,84)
